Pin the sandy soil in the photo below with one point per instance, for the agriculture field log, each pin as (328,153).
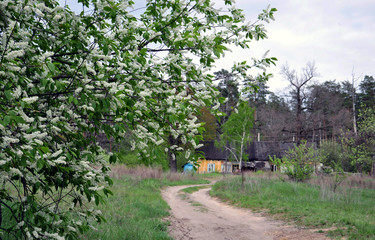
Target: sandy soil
(199,216)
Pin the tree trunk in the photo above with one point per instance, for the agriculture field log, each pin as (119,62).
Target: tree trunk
(353,106)
(242,179)
(313,135)
(172,162)
(171,155)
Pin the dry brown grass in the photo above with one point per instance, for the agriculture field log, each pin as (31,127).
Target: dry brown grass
(347,181)
(143,172)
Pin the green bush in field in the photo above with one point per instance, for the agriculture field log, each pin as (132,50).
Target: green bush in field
(335,156)
(298,162)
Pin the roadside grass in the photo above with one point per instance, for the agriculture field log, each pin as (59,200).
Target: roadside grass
(193,189)
(347,212)
(137,209)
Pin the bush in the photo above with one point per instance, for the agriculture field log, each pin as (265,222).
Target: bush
(334,155)
(298,163)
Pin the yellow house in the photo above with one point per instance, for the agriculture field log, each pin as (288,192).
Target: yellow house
(208,166)
(216,160)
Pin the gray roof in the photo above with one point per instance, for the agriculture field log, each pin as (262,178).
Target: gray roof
(257,151)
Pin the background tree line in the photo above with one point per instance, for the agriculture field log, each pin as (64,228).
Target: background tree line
(338,116)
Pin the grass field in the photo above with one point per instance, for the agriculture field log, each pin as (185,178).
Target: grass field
(136,210)
(348,212)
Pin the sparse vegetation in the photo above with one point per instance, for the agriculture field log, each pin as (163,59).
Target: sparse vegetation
(348,211)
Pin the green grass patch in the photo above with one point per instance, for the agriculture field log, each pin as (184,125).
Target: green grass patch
(350,211)
(193,189)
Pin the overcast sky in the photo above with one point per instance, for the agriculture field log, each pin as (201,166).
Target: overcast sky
(338,35)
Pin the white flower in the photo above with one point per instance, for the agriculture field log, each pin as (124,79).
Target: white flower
(199,146)
(96,188)
(15,171)
(17,93)
(38,141)
(30,99)
(187,154)
(31,135)
(159,142)
(78,90)
(55,154)
(60,160)
(35,234)
(216,106)
(71,228)
(8,140)
(14,54)
(26,118)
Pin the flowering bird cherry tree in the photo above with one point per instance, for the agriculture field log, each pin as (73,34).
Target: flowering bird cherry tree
(67,76)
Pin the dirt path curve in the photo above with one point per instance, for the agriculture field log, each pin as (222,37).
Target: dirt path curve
(199,216)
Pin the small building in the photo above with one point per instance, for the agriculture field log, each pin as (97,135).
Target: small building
(188,167)
(215,159)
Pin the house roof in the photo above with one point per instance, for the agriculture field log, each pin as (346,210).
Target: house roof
(210,151)
(257,151)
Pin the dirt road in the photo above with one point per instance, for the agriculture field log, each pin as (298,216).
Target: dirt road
(199,216)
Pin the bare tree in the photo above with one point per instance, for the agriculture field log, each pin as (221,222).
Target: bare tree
(326,113)
(298,83)
(274,118)
(354,96)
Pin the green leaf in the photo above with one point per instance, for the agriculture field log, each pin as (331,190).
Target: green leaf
(18,119)
(8,94)
(40,163)
(44,82)
(109,180)
(45,149)
(130,117)
(51,67)
(113,158)
(6,120)
(107,192)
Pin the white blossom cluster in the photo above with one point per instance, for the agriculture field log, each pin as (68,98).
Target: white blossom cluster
(66,77)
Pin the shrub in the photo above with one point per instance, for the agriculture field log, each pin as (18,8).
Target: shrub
(298,162)
(334,155)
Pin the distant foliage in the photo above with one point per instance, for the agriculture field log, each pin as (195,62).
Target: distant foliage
(334,156)
(361,147)
(209,121)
